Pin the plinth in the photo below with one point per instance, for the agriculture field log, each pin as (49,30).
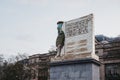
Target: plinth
(81,69)
(78,60)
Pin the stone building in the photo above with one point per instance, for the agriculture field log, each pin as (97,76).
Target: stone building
(108,52)
(109,55)
(39,66)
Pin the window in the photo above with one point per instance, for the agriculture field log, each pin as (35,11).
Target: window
(112,71)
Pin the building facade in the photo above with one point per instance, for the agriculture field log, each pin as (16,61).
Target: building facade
(109,55)
(39,66)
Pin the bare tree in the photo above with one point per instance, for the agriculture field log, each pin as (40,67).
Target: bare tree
(13,68)
(1,66)
(52,49)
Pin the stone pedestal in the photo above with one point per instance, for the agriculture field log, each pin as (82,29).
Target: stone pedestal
(79,69)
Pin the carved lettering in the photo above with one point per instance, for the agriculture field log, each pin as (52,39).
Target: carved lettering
(82,41)
(79,35)
(70,43)
(82,45)
(71,51)
(70,47)
(77,28)
(81,50)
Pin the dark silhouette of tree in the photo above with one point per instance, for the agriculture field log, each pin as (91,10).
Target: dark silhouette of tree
(15,70)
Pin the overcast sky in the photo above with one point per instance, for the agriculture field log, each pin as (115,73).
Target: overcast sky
(29,26)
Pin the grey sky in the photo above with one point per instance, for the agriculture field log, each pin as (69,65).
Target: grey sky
(29,26)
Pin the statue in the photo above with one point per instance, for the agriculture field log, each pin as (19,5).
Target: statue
(60,38)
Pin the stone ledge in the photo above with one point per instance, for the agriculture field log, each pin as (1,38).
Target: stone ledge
(74,57)
(76,61)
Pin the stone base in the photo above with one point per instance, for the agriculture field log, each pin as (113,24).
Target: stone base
(82,69)
(74,56)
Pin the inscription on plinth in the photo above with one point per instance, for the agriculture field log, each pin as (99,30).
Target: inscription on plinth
(79,36)
(79,39)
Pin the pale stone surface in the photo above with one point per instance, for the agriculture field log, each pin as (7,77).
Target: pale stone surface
(79,35)
(79,39)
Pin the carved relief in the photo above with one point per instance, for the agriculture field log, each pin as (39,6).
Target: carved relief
(71,51)
(70,43)
(77,50)
(81,49)
(77,28)
(82,41)
(69,47)
(78,35)
(82,44)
